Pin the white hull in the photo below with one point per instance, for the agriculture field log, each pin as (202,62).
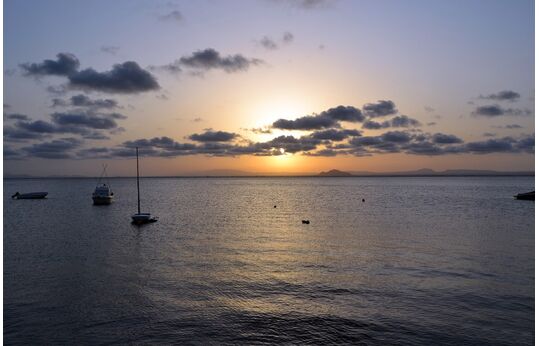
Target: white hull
(143,218)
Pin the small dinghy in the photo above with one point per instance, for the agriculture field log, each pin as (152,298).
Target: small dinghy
(141,218)
(30,195)
(528,196)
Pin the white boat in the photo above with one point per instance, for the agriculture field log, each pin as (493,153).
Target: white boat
(102,195)
(30,195)
(141,218)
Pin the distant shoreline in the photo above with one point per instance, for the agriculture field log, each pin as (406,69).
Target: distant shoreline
(531,174)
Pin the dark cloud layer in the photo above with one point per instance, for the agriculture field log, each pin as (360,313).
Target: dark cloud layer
(379,109)
(398,121)
(492,111)
(213,136)
(65,65)
(505,95)
(126,78)
(82,100)
(211,59)
(326,119)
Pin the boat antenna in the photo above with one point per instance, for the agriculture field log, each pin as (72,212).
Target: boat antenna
(138,186)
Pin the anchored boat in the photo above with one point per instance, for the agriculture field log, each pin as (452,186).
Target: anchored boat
(529,196)
(141,218)
(102,195)
(30,195)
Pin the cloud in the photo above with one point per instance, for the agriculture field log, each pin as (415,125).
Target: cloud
(379,109)
(88,120)
(326,119)
(110,49)
(510,126)
(334,135)
(398,121)
(211,59)
(174,16)
(84,101)
(86,124)
(268,43)
(491,111)
(308,122)
(56,149)
(127,78)
(305,4)
(505,95)
(441,138)
(213,136)
(65,65)
(288,37)
(16,116)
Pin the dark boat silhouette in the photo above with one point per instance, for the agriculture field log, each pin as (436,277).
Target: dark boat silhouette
(30,195)
(528,196)
(141,218)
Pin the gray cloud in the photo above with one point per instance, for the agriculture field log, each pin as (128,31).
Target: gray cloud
(491,111)
(334,135)
(268,43)
(211,59)
(16,116)
(379,109)
(213,136)
(288,37)
(441,138)
(65,65)
(174,16)
(56,149)
(505,95)
(398,121)
(127,78)
(110,49)
(326,119)
(84,101)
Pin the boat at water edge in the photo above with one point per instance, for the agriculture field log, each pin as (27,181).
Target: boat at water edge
(528,196)
(30,195)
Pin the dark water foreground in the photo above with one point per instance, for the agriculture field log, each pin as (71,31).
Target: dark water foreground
(422,261)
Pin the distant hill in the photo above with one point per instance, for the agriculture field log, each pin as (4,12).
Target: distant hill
(335,173)
(449,172)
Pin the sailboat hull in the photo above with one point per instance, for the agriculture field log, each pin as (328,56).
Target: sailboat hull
(143,218)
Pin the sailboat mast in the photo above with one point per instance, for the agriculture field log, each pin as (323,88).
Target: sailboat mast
(138,186)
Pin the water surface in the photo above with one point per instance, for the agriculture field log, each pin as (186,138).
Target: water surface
(423,260)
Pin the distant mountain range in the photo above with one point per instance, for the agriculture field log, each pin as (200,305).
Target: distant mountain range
(424,172)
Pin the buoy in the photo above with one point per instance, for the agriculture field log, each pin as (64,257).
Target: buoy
(305,222)
(363,200)
(275,206)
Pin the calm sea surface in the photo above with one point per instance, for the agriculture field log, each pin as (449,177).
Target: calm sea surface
(421,261)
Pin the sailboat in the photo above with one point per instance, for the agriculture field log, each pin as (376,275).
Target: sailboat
(141,218)
(102,195)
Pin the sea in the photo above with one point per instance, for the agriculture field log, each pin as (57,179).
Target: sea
(383,261)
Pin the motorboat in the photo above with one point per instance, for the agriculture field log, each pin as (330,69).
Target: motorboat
(528,196)
(141,218)
(30,195)
(103,194)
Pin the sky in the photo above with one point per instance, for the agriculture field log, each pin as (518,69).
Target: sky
(267,86)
